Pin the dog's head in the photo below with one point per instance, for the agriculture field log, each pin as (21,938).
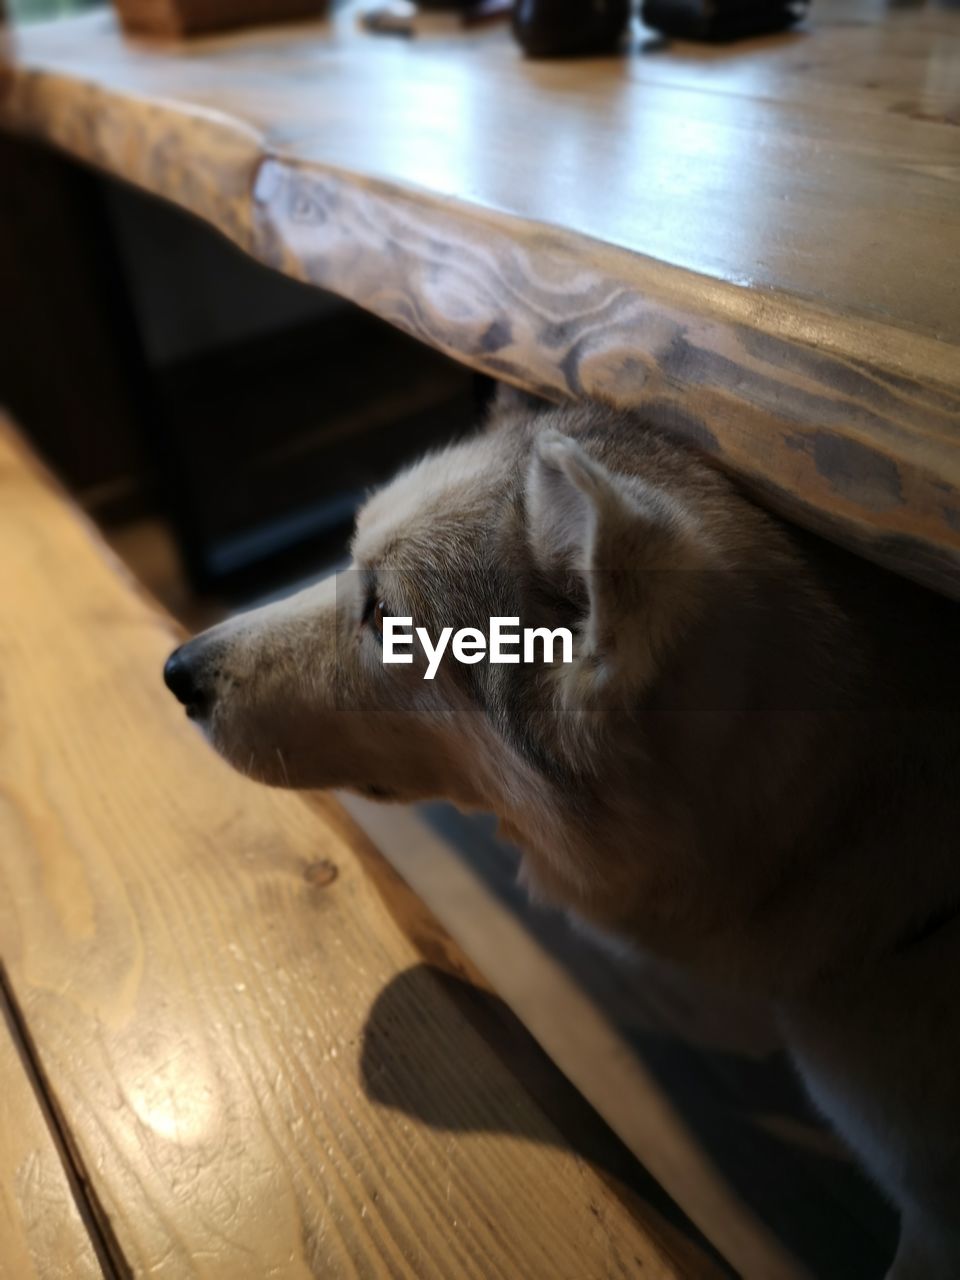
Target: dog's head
(564,518)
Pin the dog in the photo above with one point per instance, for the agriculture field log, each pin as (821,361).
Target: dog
(750,765)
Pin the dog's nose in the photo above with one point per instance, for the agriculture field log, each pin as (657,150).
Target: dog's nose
(181,675)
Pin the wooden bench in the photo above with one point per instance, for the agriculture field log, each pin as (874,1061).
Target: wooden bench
(236,1044)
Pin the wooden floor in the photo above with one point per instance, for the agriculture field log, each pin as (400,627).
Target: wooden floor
(40,1220)
(693,1082)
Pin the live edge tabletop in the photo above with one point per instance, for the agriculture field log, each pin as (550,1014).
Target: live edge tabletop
(758,245)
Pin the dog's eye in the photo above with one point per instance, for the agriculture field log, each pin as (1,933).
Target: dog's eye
(375,610)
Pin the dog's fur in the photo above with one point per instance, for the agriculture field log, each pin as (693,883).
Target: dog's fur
(752,765)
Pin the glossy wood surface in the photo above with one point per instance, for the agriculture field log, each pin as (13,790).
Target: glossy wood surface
(42,1236)
(259,1073)
(756,244)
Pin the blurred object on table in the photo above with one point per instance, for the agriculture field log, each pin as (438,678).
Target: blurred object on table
(405,18)
(719,20)
(570,28)
(43,10)
(191,17)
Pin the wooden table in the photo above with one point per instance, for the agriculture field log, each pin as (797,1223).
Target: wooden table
(232,1043)
(759,245)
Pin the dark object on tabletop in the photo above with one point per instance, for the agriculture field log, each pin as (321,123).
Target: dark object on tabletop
(444,5)
(570,28)
(720,20)
(190,17)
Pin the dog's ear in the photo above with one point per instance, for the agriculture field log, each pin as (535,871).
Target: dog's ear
(639,553)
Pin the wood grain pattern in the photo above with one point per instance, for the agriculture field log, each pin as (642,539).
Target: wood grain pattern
(42,1236)
(756,245)
(225,1009)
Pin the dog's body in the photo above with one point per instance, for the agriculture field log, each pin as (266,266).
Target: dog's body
(751,765)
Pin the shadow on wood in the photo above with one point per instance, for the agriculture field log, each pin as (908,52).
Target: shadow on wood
(822,1208)
(404,1067)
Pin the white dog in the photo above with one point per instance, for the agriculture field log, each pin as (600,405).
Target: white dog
(751,764)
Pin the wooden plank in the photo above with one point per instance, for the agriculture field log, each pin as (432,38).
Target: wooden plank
(42,1235)
(756,245)
(225,1008)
